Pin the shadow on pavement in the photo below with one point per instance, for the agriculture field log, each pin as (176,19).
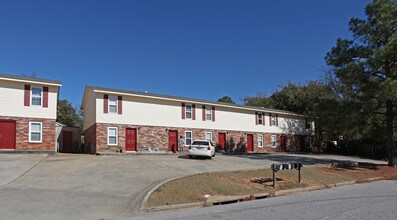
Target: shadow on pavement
(289,159)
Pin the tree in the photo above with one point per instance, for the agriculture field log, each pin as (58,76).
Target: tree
(226,99)
(260,100)
(367,66)
(68,115)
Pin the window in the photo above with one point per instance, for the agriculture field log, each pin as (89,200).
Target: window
(273,120)
(189,111)
(307,125)
(36,96)
(309,142)
(208,113)
(274,142)
(188,138)
(260,118)
(113,104)
(260,140)
(112,136)
(208,136)
(35,132)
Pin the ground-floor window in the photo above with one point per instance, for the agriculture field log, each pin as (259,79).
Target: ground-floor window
(273,141)
(188,138)
(309,142)
(260,140)
(208,136)
(35,132)
(112,136)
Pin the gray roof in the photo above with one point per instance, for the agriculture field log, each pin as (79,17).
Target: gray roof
(2,75)
(185,99)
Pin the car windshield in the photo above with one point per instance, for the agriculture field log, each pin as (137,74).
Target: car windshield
(200,143)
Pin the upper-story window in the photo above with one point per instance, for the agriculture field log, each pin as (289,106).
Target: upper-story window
(260,119)
(189,111)
(113,104)
(307,125)
(273,120)
(36,96)
(208,113)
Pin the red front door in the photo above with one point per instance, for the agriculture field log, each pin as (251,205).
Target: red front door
(67,143)
(250,142)
(282,143)
(173,141)
(7,134)
(130,139)
(222,140)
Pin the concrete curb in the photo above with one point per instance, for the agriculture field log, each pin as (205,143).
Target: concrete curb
(241,198)
(234,199)
(142,207)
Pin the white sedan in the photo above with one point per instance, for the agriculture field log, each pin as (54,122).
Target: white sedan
(201,148)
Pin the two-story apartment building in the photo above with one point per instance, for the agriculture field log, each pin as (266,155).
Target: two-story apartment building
(134,121)
(28,112)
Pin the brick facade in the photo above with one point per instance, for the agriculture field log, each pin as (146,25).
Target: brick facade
(22,134)
(157,138)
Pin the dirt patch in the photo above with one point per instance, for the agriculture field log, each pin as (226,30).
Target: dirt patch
(193,188)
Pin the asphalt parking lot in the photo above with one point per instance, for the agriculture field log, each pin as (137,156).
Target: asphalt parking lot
(68,186)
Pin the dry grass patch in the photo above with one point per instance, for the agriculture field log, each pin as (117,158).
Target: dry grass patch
(193,188)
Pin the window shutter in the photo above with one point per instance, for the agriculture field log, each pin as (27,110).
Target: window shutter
(256,118)
(277,120)
(194,112)
(263,118)
(27,96)
(213,113)
(203,114)
(270,119)
(105,103)
(45,97)
(120,105)
(183,110)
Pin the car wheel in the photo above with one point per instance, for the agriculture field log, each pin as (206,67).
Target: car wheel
(210,157)
(213,155)
(190,156)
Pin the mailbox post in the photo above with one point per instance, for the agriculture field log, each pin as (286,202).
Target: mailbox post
(286,166)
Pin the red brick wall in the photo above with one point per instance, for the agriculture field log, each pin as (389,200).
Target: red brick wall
(157,137)
(89,138)
(22,134)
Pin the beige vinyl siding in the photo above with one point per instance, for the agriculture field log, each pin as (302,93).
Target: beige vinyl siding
(12,101)
(154,112)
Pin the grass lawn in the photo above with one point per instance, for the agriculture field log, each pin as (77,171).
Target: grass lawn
(193,188)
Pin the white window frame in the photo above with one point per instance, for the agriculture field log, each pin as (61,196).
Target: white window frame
(260,140)
(205,136)
(273,119)
(41,96)
(191,138)
(260,119)
(273,144)
(115,98)
(117,136)
(191,111)
(208,113)
(30,132)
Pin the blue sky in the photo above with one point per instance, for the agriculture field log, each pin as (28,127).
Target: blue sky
(200,49)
